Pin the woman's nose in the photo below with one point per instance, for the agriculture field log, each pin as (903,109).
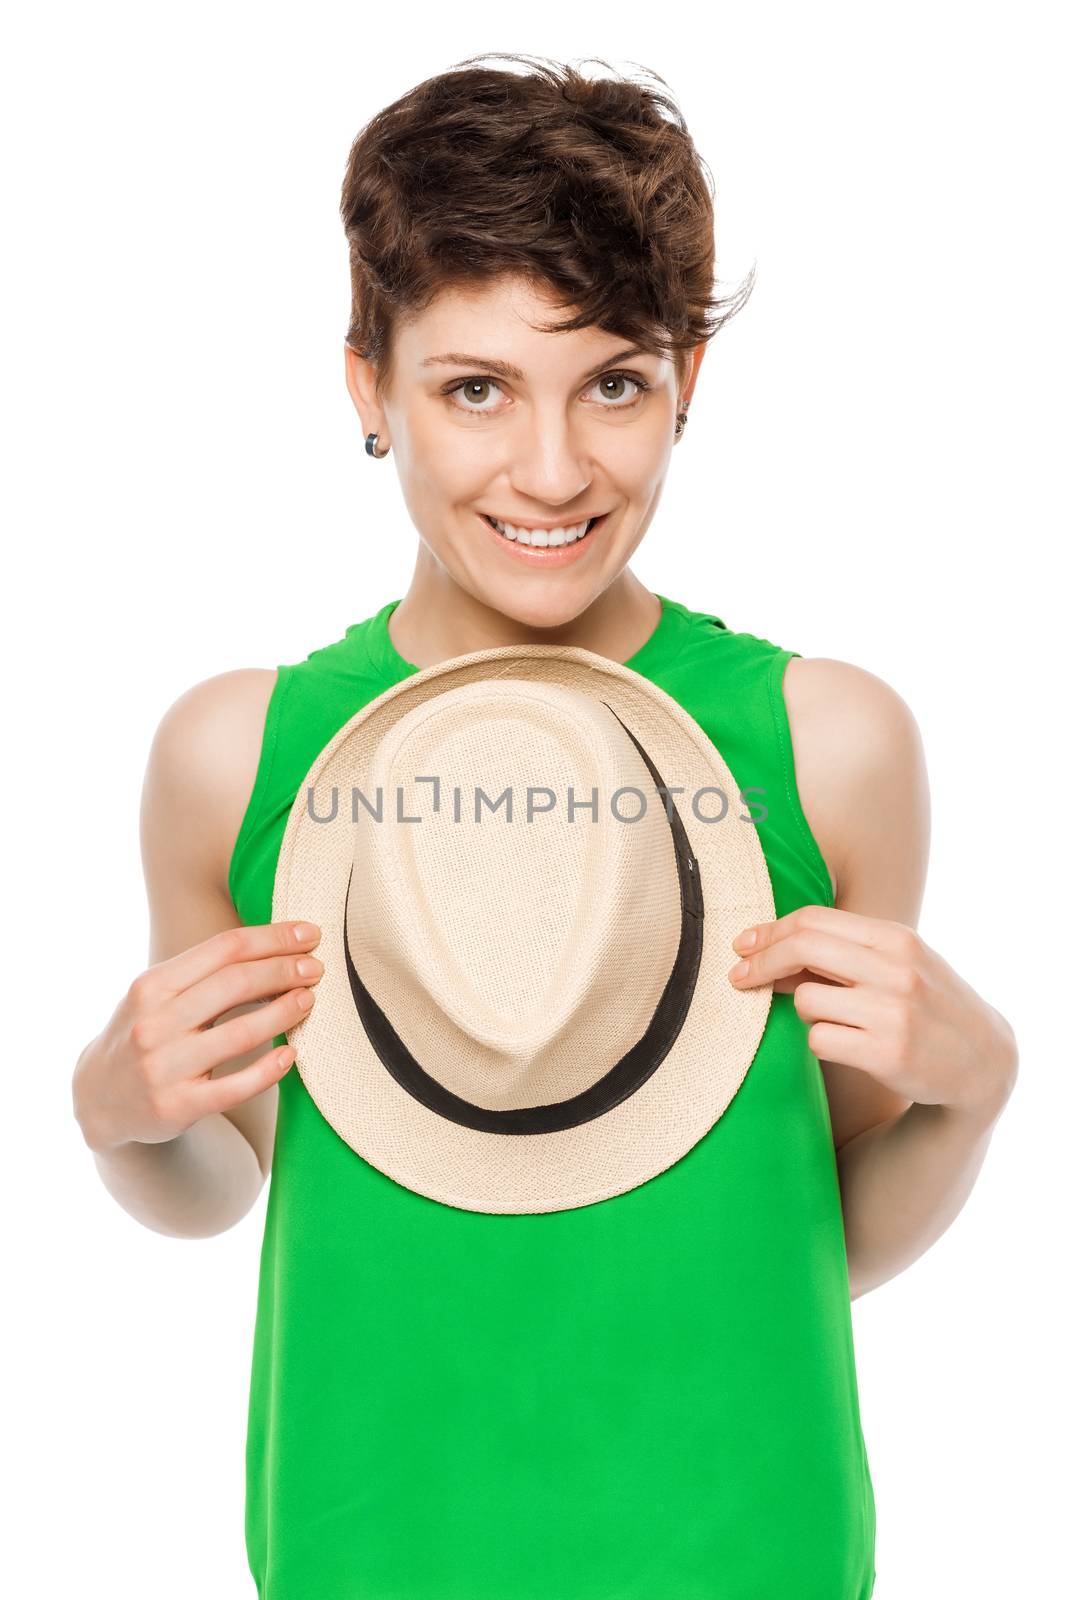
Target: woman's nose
(548,463)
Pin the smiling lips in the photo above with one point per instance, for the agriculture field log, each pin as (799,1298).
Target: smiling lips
(542,538)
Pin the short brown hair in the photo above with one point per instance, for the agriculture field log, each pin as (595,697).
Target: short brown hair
(590,186)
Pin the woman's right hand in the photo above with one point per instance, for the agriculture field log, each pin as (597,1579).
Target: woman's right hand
(147,1075)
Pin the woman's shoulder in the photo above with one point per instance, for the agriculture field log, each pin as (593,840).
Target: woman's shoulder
(843,708)
(203,762)
(858,759)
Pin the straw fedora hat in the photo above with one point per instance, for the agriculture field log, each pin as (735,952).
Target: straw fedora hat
(528,864)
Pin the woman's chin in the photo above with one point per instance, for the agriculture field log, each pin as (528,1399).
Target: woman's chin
(541,603)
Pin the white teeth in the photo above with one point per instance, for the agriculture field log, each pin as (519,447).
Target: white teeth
(543,536)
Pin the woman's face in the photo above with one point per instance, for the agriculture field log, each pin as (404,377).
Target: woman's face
(487,417)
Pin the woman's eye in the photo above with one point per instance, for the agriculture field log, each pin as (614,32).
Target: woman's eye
(473,389)
(611,387)
(618,379)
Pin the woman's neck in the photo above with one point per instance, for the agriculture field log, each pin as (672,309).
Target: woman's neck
(437,620)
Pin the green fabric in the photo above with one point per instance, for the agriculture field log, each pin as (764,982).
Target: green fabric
(650,1398)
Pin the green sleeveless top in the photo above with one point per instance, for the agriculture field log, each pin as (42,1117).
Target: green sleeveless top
(649,1398)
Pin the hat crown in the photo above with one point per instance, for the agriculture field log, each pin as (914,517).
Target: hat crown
(504,925)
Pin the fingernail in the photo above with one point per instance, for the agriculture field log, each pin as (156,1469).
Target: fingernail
(746,940)
(304,999)
(739,969)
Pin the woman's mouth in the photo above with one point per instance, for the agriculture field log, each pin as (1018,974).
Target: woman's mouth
(544,546)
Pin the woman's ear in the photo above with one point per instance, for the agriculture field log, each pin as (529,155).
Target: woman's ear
(361,382)
(696,356)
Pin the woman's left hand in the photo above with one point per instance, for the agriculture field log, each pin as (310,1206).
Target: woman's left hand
(878,998)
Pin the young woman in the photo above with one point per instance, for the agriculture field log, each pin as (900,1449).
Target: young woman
(488,1407)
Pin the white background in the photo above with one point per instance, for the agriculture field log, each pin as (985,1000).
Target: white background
(869,473)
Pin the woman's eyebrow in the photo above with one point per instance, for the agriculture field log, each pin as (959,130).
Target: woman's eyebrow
(504,369)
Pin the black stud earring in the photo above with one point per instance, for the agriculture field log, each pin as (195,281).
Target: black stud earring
(369,445)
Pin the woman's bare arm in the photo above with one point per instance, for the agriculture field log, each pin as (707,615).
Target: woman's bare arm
(200,1180)
(930,1064)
